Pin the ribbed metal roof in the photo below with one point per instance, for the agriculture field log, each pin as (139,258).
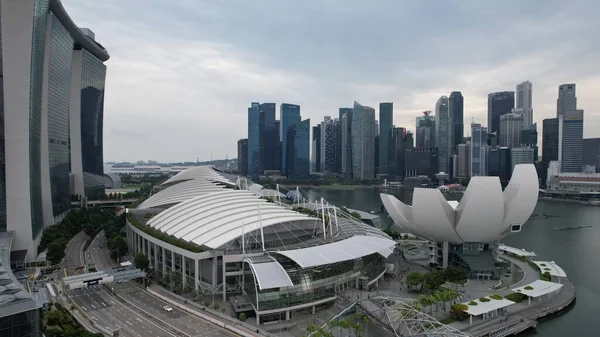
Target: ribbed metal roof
(268,273)
(181,192)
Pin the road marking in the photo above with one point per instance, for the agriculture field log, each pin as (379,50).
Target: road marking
(128,322)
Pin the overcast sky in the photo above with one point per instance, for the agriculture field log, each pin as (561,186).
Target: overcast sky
(182,73)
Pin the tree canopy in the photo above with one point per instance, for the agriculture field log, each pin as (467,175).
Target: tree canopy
(414,279)
(141,261)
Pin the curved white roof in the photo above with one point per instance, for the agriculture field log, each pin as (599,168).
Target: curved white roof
(216,218)
(348,249)
(484,214)
(181,192)
(268,272)
(206,172)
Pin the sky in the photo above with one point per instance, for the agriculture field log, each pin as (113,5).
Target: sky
(182,73)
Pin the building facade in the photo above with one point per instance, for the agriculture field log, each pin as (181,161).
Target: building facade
(499,163)
(330,145)
(567,98)
(421,161)
(386,123)
(455,103)
(347,143)
(268,138)
(242,152)
(298,150)
(524,101)
(499,103)
(316,149)
(289,115)
(443,133)
(52,93)
(570,147)
(363,142)
(591,152)
(549,145)
(425,130)
(522,155)
(529,136)
(463,161)
(401,141)
(254,140)
(510,129)
(479,149)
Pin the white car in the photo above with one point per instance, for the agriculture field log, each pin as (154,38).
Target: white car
(167,308)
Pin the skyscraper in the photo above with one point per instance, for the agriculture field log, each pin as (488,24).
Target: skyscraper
(443,133)
(330,147)
(510,129)
(529,136)
(298,150)
(421,161)
(347,143)
(499,163)
(242,156)
(401,140)
(550,143)
(268,138)
(463,165)
(289,115)
(591,152)
(499,103)
(316,149)
(386,122)
(52,91)
(570,147)
(363,142)
(524,103)
(425,130)
(456,116)
(254,140)
(521,155)
(567,99)
(478,150)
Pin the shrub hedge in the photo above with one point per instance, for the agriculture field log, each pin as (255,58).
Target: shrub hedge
(164,237)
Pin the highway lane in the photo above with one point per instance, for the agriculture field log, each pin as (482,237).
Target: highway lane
(73,255)
(110,313)
(189,324)
(99,256)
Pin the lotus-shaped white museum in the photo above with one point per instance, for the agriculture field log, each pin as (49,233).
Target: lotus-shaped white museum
(484,214)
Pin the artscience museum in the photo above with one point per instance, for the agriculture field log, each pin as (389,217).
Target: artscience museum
(466,233)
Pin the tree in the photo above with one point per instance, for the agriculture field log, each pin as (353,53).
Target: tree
(455,274)
(56,251)
(433,280)
(414,279)
(426,301)
(459,311)
(141,261)
(118,247)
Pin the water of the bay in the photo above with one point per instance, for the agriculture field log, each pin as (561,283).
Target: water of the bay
(576,251)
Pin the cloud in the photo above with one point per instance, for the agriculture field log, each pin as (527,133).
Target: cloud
(182,73)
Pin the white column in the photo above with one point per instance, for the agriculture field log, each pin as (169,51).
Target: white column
(183,276)
(172,261)
(224,281)
(164,261)
(470,319)
(214,271)
(196,274)
(287,315)
(156,257)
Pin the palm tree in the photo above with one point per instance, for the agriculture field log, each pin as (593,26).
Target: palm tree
(426,301)
(358,328)
(345,323)
(437,298)
(449,296)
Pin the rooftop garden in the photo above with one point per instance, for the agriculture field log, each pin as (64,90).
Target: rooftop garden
(189,246)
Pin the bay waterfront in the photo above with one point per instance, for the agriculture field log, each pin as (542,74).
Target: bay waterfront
(576,251)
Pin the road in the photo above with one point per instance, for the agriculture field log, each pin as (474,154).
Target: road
(138,305)
(73,255)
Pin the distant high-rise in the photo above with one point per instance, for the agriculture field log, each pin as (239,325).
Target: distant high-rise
(478,150)
(330,148)
(316,149)
(425,130)
(550,133)
(289,115)
(401,140)
(298,150)
(529,136)
(463,165)
(254,140)
(268,138)
(567,99)
(443,133)
(499,103)
(570,147)
(347,143)
(386,123)
(421,162)
(522,155)
(591,152)
(510,129)
(455,103)
(524,101)
(499,163)
(363,142)
(242,156)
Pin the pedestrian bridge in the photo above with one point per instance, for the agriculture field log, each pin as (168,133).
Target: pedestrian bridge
(117,274)
(396,315)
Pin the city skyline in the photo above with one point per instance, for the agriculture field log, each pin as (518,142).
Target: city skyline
(192,55)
